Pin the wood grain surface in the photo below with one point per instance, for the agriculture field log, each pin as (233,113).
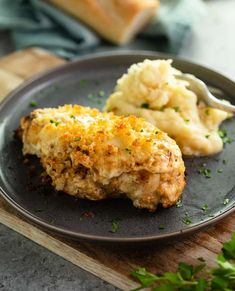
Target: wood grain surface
(111,265)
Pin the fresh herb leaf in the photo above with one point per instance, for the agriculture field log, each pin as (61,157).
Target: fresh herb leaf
(207,135)
(194,278)
(72,116)
(145,278)
(161,226)
(229,249)
(187,120)
(142,130)
(220,171)
(145,105)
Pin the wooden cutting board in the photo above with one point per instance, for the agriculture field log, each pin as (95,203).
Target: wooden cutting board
(113,266)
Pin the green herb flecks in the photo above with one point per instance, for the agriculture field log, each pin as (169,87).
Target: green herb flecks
(178,204)
(220,171)
(226,201)
(94,98)
(224,136)
(205,207)
(176,108)
(194,277)
(72,116)
(207,135)
(186,220)
(162,108)
(145,105)
(77,139)
(205,172)
(101,93)
(187,120)
(161,226)
(207,111)
(83,83)
(115,225)
(56,123)
(33,104)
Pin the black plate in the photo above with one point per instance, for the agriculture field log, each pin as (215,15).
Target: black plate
(87,220)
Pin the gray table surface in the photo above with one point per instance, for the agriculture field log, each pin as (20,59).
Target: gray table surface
(27,266)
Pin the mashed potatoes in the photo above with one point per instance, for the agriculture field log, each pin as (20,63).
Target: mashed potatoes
(151,90)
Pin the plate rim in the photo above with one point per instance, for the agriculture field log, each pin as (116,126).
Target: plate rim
(102,238)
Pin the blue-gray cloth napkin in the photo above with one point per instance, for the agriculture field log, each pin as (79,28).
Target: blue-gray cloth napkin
(37,23)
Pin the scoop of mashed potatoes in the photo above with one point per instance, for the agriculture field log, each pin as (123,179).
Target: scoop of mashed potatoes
(151,90)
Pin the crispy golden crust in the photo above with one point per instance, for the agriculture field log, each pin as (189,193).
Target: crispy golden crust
(97,155)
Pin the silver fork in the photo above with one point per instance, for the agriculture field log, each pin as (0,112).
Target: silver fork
(201,89)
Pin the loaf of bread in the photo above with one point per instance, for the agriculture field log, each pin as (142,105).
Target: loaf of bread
(115,20)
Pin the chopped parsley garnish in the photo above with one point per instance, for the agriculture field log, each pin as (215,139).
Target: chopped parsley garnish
(101,93)
(226,201)
(220,171)
(145,105)
(205,172)
(207,135)
(115,225)
(187,120)
(91,96)
(94,98)
(186,220)
(179,204)
(204,207)
(161,226)
(156,132)
(77,138)
(225,162)
(207,111)
(176,108)
(72,116)
(142,130)
(162,108)
(224,136)
(54,122)
(33,104)
(83,83)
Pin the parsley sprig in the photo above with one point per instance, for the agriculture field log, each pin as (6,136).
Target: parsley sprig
(194,278)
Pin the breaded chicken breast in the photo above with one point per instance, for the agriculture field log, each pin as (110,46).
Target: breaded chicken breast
(94,155)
